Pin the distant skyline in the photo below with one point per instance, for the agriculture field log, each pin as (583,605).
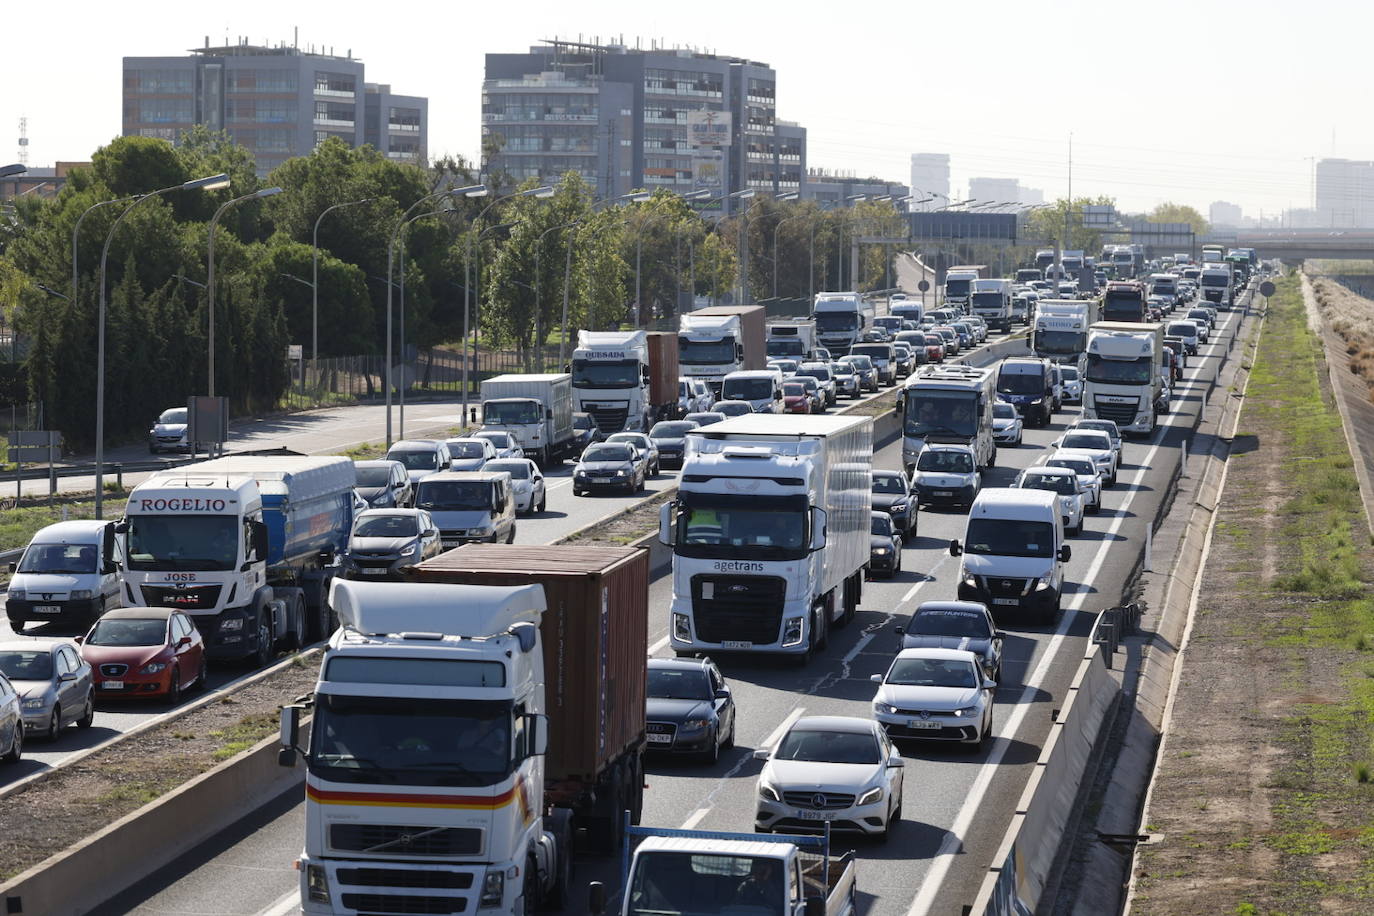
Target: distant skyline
(1240,119)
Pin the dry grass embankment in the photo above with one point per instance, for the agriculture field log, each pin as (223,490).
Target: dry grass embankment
(1351,316)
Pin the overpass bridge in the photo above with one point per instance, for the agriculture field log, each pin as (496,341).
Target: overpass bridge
(1301,244)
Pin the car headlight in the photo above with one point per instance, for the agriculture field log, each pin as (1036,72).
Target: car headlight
(80,594)
(899,507)
(1038,401)
(884,708)
(693,725)
(872,795)
(18,594)
(968,712)
(1042,582)
(792,631)
(408,551)
(967,578)
(35,703)
(231,623)
(153,668)
(768,792)
(620,473)
(682,628)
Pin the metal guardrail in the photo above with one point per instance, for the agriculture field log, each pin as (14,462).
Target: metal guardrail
(1114,624)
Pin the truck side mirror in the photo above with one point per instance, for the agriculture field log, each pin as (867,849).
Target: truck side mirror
(540,745)
(290,735)
(817,528)
(596,899)
(665,524)
(955,548)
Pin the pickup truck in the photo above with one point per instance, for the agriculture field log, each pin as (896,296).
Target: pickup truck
(703,873)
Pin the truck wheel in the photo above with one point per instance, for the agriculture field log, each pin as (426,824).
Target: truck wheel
(264,654)
(613,835)
(529,892)
(295,637)
(559,891)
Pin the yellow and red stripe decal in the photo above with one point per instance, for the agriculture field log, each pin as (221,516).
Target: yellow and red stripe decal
(516,792)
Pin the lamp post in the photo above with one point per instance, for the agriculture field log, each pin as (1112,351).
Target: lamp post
(315,282)
(209,183)
(776,227)
(9,171)
(210,272)
(77,228)
(743,279)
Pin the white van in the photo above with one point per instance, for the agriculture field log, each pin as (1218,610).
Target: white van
(69,573)
(762,388)
(1014,554)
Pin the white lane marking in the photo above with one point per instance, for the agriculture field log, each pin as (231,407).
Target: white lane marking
(290,903)
(930,577)
(858,647)
(695,819)
(771,741)
(768,743)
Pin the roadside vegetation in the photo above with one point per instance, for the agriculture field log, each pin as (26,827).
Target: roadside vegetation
(1340,289)
(1263,797)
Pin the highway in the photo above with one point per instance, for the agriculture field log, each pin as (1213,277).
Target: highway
(957,802)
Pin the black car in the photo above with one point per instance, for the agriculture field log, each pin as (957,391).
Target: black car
(884,546)
(689,709)
(671,438)
(892,494)
(585,431)
(609,466)
(956,625)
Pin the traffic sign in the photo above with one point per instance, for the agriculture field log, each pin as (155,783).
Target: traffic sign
(923,286)
(1267,288)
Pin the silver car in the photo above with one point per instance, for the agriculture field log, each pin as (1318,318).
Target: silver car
(11,722)
(55,684)
(506,446)
(646,447)
(526,482)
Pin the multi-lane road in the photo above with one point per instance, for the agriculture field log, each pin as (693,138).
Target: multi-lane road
(958,802)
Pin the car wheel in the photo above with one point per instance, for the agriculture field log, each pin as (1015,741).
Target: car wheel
(17,745)
(174,688)
(510,538)
(576,492)
(711,755)
(88,713)
(203,674)
(897,567)
(55,724)
(543,501)
(730,738)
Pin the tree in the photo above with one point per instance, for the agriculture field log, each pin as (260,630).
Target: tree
(1179,213)
(1047,226)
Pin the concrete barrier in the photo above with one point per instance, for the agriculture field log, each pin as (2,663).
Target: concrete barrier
(81,878)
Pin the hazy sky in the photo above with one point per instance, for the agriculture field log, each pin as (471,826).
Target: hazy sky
(1190,102)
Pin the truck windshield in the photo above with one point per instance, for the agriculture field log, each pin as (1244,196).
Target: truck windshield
(1020,383)
(587,373)
(957,288)
(747,389)
(1119,371)
(1004,537)
(512,413)
(1060,341)
(59,558)
(719,526)
(786,346)
(706,884)
(836,321)
(201,542)
(452,495)
(705,352)
(872,351)
(941,413)
(1215,280)
(988,301)
(411,741)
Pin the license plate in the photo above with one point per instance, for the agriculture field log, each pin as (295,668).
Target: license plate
(736,644)
(1006,601)
(660,739)
(450,542)
(374,572)
(47,608)
(921,723)
(817,815)
(112,685)
(944,492)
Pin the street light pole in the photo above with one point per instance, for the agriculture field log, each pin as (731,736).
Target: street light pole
(210,271)
(315,283)
(77,228)
(210,183)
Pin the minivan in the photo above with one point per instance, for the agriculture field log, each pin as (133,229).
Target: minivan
(420,456)
(1014,553)
(762,388)
(469,506)
(1027,384)
(69,574)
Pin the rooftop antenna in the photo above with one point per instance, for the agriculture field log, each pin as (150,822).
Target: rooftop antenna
(23,140)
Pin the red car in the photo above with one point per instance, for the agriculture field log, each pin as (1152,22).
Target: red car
(795,398)
(935,348)
(144,652)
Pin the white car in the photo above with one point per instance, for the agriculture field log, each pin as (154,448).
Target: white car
(946,474)
(469,453)
(787,367)
(1099,444)
(1073,384)
(692,395)
(1007,426)
(526,482)
(939,694)
(1081,463)
(1107,426)
(506,446)
(837,769)
(1062,481)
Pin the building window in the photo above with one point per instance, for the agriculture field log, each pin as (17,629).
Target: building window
(260,81)
(335,84)
(165,111)
(332,113)
(404,118)
(159,81)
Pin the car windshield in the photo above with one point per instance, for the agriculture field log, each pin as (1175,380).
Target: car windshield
(1097,425)
(518,470)
(948,623)
(180,542)
(512,413)
(816,372)
(859,362)
(1093,441)
(672,429)
(583,421)
(59,558)
(128,631)
(499,440)
(872,351)
(732,408)
(880,524)
(453,495)
(679,684)
(1003,537)
(1020,383)
(828,747)
(793,390)
(172,416)
(1069,374)
(1059,483)
(1080,466)
(1004,411)
(934,340)
(459,449)
(426,460)
(607,453)
(22,665)
(888,483)
(1182,329)
(386,526)
(945,461)
(932,672)
(705,419)
(373,476)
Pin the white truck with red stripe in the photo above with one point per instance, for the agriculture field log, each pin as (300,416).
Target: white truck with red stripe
(466,726)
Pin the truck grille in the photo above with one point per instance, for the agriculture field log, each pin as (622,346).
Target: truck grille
(406,840)
(429,878)
(818,801)
(1123,414)
(745,608)
(189,598)
(609,419)
(395,903)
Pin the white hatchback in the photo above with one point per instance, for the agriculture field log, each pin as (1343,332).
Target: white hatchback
(939,694)
(1064,483)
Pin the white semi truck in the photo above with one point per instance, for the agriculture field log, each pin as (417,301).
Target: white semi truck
(792,339)
(246,545)
(840,320)
(1124,378)
(715,341)
(769,533)
(626,380)
(951,404)
(991,301)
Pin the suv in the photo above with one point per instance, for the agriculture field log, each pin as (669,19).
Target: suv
(421,457)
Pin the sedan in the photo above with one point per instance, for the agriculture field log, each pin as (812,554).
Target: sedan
(795,399)
(468,453)
(732,408)
(145,652)
(1007,426)
(1062,481)
(836,770)
(690,709)
(609,465)
(1105,426)
(814,394)
(956,625)
(864,368)
(526,482)
(951,338)
(892,494)
(825,379)
(1081,464)
(504,442)
(384,542)
(55,684)
(936,348)
(847,380)
(906,358)
(785,366)
(585,431)
(1099,445)
(704,417)
(935,694)
(11,722)
(646,447)
(884,545)
(670,438)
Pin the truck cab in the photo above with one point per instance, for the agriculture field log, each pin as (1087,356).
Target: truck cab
(991,300)
(469,506)
(840,320)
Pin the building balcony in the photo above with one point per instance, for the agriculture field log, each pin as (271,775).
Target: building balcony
(329,122)
(403,128)
(335,93)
